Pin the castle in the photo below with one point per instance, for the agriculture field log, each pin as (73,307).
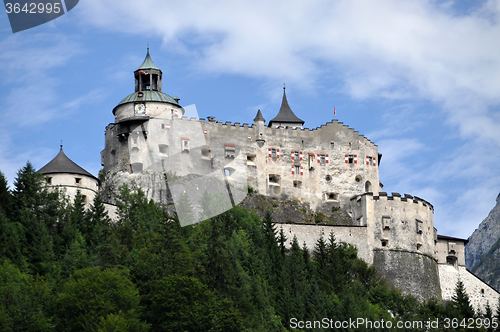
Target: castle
(153,147)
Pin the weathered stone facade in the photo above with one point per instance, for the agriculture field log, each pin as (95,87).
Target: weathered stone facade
(153,147)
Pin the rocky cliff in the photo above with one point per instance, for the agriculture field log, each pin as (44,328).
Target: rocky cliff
(484,246)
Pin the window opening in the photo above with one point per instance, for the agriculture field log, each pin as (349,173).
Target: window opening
(273,178)
(351,158)
(49,180)
(230,150)
(386,222)
(297,184)
(185,144)
(78,180)
(163,148)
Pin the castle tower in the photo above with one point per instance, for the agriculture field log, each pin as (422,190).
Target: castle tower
(260,128)
(286,117)
(61,172)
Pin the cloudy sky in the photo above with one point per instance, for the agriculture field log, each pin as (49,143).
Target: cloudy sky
(419,78)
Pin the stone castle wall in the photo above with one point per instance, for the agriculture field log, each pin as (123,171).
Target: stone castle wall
(479,292)
(411,272)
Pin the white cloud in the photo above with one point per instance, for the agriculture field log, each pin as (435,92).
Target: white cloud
(394,49)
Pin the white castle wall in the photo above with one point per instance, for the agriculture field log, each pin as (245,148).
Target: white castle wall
(310,234)
(87,186)
(479,292)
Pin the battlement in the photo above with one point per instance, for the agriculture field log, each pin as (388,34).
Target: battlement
(383,196)
(305,133)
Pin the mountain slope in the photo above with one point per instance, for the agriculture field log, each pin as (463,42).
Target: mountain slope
(484,246)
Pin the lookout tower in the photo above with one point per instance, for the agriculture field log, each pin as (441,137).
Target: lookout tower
(61,172)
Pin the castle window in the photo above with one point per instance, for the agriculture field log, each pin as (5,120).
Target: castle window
(360,221)
(311,161)
(185,144)
(250,159)
(328,178)
(228,171)
(420,226)
(322,159)
(351,158)
(230,150)
(163,148)
(78,180)
(419,246)
(274,179)
(135,149)
(135,140)
(370,160)
(452,247)
(358,178)
(84,199)
(205,153)
(386,222)
(482,291)
(297,184)
(332,197)
(332,145)
(368,186)
(385,243)
(297,169)
(273,153)
(49,180)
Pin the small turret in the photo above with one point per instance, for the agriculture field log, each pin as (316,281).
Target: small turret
(286,117)
(148,76)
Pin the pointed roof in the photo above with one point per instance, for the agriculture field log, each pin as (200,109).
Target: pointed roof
(148,63)
(285,114)
(259,117)
(62,164)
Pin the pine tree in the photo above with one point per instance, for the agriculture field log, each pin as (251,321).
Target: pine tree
(38,212)
(5,196)
(282,242)
(461,301)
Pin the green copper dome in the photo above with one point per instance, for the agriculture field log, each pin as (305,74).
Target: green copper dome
(148,63)
(148,95)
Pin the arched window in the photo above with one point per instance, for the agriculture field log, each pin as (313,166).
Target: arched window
(368,186)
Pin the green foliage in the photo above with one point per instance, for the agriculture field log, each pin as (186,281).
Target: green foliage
(183,303)
(21,301)
(68,268)
(251,190)
(91,294)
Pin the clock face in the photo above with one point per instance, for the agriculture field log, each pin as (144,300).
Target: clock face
(140,109)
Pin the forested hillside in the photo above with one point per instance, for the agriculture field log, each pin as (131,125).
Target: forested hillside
(63,268)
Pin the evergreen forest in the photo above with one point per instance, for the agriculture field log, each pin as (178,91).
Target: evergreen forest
(67,268)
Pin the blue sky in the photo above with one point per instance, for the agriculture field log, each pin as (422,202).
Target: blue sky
(419,78)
